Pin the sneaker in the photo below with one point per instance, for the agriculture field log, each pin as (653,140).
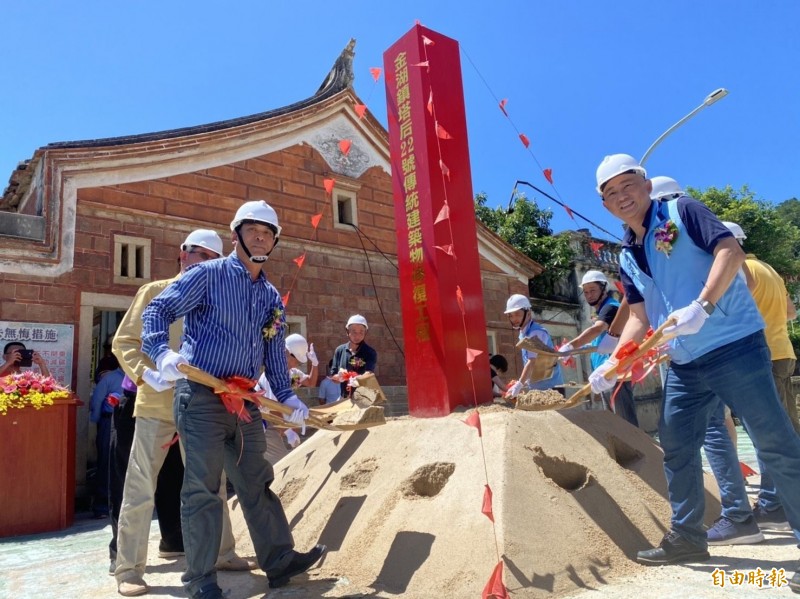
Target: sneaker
(794,583)
(210,591)
(133,587)
(673,549)
(774,520)
(112,567)
(727,532)
(299,563)
(165,554)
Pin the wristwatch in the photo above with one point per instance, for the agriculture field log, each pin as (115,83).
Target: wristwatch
(707,306)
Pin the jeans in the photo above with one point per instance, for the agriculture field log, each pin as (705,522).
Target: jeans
(740,374)
(724,462)
(212,439)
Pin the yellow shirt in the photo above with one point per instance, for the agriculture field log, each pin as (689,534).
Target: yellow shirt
(127,347)
(770,295)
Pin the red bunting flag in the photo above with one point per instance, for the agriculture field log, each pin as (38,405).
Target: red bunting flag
(569,212)
(495,589)
(548,174)
(376,73)
(503,103)
(620,287)
(344,146)
(442,132)
(328,184)
(460,300)
(444,213)
(424,63)
(430,103)
(486,508)
(361,110)
(300,260)
(471,355)
(445,170)
(474,419)
(315,220)
(524,139)
(428,41)
(447,249)
(596,245)
(746,470)
(285,298)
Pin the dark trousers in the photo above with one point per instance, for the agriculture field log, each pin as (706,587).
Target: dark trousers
(100,505)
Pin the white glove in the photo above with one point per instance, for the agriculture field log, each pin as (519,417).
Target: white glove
(299,415)
(312,355)
(514,389)
(156,381)
(167,365)
(689,320)
(565,347)
(607,345)
(292,438)
(598,380)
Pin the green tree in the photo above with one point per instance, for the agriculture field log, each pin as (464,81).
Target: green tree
(527,228)
(790,211)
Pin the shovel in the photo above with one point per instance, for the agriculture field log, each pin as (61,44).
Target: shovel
(535,344)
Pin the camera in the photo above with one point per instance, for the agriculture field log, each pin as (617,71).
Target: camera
(27,357)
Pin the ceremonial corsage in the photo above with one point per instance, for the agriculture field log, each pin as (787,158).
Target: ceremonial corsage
(275,324)
(356,362)
(665,236)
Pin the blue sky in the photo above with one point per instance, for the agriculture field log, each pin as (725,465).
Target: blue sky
(583,79)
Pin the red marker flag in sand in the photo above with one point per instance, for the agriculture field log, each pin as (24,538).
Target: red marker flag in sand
(569,211)
(344,146)
(620,287)
(315,220)
(430,103)
(596,245)
(445,170)
(428,41)
(300,260)
(442,132)
(503,103)
(471,355)
(376,73)
(285,298)
(495,589)
(460,300)
(444,214)
(361,110)
(328,184)
(486,508)
(447,249)
(548,174)
(524,139)
(474,419)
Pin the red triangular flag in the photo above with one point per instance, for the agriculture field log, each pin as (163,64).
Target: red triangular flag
(486,508)
(424,63)
(620,287)
(328,184)
(460,300)
(427,41)
(361,110)
(300,260)
(315,220)
(746,470)
(442,133)
(430,103)
(569,211)
(471,355)
(376,73)
(495,589)
(445,170)
(444,214)
(447,249)
(344,146)
(285,298)
(524,139)
(548,174)
(596,245)
(474,419)
(503,103)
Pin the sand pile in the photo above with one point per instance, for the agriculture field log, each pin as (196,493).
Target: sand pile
(576,494)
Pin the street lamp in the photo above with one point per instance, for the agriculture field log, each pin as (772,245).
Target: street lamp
(711,98)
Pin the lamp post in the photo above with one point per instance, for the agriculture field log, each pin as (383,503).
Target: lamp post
(711,98)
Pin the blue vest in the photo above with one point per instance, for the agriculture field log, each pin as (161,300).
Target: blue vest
(554,380)
(596,359)
(678,279)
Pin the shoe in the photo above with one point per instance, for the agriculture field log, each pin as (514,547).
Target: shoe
(673,549)
(774,520)
(237,564)
(164,554)
(210,591)
(133,587)
(112,567)
(794,583)
(727,532)
(299,563)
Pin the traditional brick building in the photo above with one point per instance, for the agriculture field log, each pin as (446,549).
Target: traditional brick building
(83,224)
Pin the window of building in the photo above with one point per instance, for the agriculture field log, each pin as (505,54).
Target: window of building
(345,209)
(131,260)
(491,342)
(296,324)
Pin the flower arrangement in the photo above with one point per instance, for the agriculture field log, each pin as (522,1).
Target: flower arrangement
(29,388)
(275,324)
(665,236)
(356,362)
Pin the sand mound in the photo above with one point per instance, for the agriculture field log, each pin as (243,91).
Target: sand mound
(576,494)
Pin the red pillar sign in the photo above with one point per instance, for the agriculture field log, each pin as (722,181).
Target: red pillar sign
(444,326)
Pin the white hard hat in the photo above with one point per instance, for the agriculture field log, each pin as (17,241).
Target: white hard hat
(614,165)
(594,276)
(737,231)
(258,211)
(204,238)
(665,187)
(357,319)
(517,302)
(297,346)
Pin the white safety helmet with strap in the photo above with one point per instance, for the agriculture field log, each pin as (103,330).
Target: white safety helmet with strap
(617,164)
(356,319)
(594,276)
(737,231)
(297,346)
(517,302)
(204,238)
(257,211)
(665,188)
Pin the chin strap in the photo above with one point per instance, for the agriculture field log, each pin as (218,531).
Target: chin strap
(255,259)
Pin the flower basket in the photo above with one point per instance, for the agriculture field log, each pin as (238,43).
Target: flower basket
(29,388)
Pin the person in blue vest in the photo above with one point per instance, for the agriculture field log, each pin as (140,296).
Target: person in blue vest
(595,290)
(679,262)
(518,310)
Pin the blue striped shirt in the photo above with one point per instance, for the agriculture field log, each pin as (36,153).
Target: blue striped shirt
(224,313)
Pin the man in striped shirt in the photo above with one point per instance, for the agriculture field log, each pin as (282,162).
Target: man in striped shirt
(234,324)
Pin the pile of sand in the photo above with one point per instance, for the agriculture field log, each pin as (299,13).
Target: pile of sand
(576,495)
